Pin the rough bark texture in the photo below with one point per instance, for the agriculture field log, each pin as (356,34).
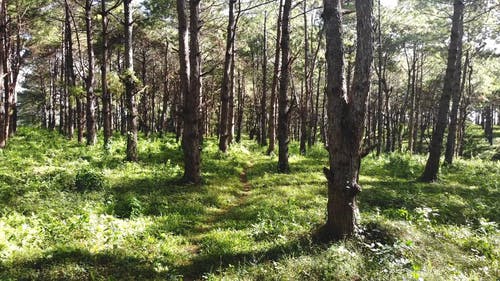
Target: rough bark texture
(91,118)
(432,166)
(283,101)
(346,114)
(130,85)
(70,79)
(457,96)
(274,86)
(226,81)
(106,95)
(192,91)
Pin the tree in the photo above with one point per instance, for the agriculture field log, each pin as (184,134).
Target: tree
(130,84)
(89,81)
(346,117)
(224,123)
(452,73)
(106,95)
(189,55)
(274,85)
(263,99)
(284,108)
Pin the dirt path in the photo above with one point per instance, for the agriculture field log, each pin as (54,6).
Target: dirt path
(211,222)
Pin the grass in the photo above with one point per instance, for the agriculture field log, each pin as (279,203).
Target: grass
(70,212)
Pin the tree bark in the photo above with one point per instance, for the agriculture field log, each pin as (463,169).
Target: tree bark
(263,100)
(226,81)
(191,87)
(346,114)
(457,96)
(432,166)
(274,85)
(3,74)
(284,108)
(379,90)
(488,123)
(130,85)
(106,95)
(304,109)
(91,118)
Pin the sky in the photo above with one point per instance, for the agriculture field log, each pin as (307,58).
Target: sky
(389,3)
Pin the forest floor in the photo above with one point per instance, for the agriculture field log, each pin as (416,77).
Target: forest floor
(71,212)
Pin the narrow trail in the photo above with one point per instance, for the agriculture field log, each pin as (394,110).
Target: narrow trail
(211,223)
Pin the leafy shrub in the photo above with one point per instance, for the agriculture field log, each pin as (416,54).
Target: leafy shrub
(89,180)
(401,166)
(128,206)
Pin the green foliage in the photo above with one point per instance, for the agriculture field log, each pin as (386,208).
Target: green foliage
(141,224)
(127,206)
(89,180)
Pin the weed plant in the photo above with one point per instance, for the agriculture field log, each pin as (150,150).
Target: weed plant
(73,212)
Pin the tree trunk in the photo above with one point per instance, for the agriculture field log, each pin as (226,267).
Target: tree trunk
(379,90)
(91,118)
(226,82)
(191,88)
(106,95)
(488,123)
(130,85)
(274,85)
(241,104)
(457,96)
(316,108)
(304,109)
(69,74)
(346,114)
(432,166)
(263,100)
(3,74)
(163,126)
(284,108)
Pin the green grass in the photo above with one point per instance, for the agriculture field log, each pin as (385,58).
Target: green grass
(71,212)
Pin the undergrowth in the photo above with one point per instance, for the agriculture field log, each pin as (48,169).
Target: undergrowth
(71,212)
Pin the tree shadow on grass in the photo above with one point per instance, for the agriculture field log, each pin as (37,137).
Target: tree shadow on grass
(454,204)
(78,264)
(217,262)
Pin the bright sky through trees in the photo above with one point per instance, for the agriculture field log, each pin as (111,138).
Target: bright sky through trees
(389,3)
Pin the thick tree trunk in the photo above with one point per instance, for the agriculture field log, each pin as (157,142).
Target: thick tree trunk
(346,114)
(130,85)
(90,108)
(432,166)
(191,89)
(284,108)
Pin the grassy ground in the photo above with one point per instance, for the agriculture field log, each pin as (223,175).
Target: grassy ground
(69,212)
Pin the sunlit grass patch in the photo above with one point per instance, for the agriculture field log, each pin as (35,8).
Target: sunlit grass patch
(246,222)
